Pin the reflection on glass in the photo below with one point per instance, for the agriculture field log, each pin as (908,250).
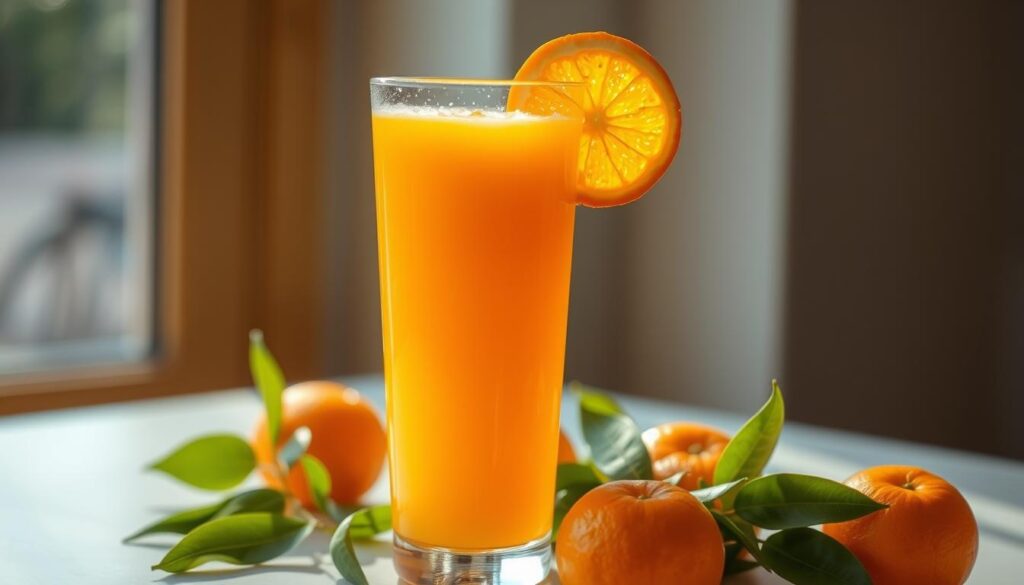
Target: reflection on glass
(76,81)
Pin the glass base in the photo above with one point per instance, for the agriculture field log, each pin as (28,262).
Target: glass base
(528,564)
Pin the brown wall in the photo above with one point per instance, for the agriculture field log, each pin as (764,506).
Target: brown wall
(905,288)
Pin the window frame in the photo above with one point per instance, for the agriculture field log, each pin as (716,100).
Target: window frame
(240,223)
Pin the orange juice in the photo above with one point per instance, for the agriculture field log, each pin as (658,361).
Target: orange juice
(475,224)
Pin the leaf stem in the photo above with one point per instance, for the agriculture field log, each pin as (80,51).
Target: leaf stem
(307,515)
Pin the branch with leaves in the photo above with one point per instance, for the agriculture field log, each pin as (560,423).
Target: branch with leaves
(252,526)
(741,500)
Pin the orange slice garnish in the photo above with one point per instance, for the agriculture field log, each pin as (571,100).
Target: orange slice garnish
(631,112)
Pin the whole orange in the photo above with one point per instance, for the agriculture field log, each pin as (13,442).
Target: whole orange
(566,454)
(647,532)
(685,446)
(927,536)
(347,437)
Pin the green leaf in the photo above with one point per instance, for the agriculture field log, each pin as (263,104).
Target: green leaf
(804,556)
(318,480)
(369,522)
(709,494)
(213,462)
(260,500)
(570,474)
(790,500)
(613,437)
(739,531)
(361,524)
(750,449)
(267,376)
(179,522)
(295,447)
(242,539)
(596,401)
(565,499)
(676,478)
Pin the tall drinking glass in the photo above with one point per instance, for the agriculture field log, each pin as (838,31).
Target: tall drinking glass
(475,209)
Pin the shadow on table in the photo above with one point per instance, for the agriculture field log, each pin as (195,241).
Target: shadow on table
(748,578)
(153,545)
(313,548)
(551,580)
(309,558)
(369,552)
(214,575)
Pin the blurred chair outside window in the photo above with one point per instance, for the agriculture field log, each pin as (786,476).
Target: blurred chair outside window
(76,189)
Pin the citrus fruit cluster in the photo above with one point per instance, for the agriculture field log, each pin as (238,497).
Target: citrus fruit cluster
(656,531)
(319,447)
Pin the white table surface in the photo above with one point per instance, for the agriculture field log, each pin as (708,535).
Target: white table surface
(72,485)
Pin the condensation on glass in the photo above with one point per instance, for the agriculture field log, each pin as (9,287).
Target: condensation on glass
(77,121)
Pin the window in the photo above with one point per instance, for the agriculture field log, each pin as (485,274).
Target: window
(76,195)
(177,241)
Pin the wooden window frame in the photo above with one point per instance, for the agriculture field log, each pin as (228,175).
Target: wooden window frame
(240,227)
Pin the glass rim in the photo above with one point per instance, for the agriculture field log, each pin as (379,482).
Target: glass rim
(436,82)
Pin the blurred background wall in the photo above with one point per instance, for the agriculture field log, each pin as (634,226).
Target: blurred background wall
(846,211)
(842,213)
(905,304)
